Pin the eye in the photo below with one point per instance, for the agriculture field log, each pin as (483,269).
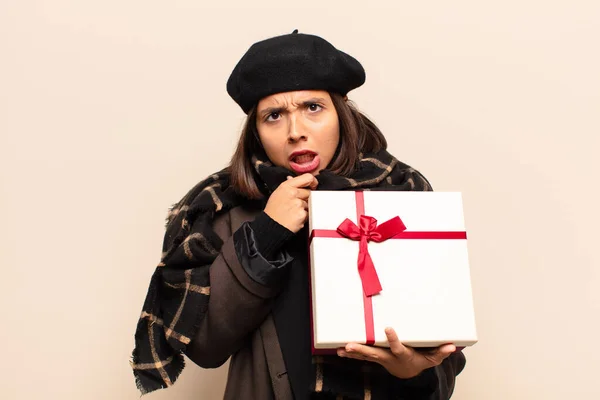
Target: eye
(273,117)
(314,107)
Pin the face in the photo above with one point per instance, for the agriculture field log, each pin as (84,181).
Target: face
(299,130)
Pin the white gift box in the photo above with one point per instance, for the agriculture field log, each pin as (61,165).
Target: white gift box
(424,272)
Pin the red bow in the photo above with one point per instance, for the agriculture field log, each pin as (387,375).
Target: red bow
(369,231)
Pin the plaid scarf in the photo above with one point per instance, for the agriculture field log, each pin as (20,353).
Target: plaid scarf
(179,289)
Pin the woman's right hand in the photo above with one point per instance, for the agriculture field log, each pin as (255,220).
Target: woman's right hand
(288,204)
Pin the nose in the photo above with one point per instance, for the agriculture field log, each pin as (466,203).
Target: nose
(295,130)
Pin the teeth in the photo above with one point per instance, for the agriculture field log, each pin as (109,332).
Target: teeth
(304,158)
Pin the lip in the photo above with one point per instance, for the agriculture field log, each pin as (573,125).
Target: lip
(300,152)
(304,168)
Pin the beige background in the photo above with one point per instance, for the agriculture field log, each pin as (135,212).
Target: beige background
(111,110)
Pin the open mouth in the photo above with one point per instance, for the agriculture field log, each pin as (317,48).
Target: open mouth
(304,161)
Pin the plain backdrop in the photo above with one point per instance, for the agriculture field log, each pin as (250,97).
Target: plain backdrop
(111,110)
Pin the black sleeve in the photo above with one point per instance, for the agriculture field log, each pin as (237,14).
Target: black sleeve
(258,247)
(436,383)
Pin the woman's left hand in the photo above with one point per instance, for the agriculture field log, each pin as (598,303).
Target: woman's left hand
(401,361)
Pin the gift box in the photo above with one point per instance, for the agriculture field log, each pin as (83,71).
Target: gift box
(389,258)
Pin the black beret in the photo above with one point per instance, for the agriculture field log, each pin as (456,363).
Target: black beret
(292,62)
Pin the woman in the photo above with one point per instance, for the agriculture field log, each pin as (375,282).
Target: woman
(233,280)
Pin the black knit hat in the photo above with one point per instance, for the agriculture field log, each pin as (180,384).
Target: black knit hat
(292,62)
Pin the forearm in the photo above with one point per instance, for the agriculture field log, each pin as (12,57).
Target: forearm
(243,286)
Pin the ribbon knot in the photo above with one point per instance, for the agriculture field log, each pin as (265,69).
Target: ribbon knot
(368,231)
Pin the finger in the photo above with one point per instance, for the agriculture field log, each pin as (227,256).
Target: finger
(289,177)
(357,356)
(440,354)
(375,354)
(304,180)
(303,194)
(425,350)
(304,204)
(345,354)
(445,349)
(396,347)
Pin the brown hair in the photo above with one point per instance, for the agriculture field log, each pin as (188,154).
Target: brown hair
(358,135)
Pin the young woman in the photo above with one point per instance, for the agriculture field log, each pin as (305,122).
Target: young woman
(233,279)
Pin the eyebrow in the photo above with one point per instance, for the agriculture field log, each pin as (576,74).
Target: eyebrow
(307,102)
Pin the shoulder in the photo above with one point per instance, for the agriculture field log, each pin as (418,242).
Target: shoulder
(413,178)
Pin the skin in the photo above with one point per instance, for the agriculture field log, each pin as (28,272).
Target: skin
(307,120)
(300,120)
(401,361)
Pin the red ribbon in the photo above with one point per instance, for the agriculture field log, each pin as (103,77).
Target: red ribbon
(367,231)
